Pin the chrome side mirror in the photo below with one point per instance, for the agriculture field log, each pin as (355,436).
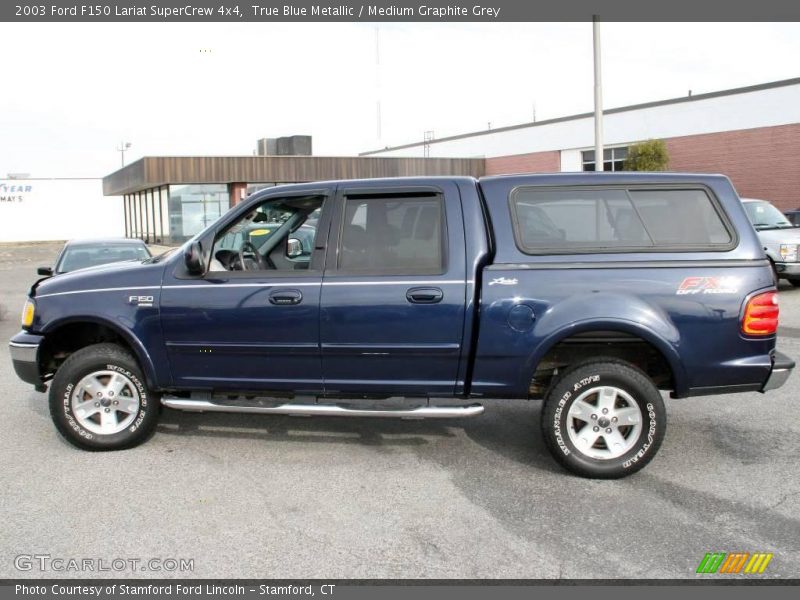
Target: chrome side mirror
(294,248)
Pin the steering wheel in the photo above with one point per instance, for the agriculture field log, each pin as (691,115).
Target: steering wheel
(249,251)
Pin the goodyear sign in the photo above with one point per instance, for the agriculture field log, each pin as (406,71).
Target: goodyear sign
(11,192)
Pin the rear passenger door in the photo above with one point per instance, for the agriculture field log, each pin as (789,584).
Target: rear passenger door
(393,294)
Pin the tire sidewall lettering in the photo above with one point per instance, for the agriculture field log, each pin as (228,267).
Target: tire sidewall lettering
(560,423)
(651,432)
(88,435)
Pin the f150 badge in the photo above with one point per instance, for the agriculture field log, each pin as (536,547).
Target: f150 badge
(503,281)
(708,285)
(140,300)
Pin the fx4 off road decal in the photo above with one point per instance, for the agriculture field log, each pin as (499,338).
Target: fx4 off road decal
(708,285)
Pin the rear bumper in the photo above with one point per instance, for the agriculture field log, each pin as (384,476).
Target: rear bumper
(782,367)
(24,350)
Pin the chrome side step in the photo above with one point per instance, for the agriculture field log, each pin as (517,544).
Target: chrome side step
(324,410)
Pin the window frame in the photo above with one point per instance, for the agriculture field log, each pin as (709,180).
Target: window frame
(399,192)
(601,249)
(613,161)
(316,263)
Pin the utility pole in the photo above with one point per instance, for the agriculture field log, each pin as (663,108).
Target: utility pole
(378,80)
(598,97)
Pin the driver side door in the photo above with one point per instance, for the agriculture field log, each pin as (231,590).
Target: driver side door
(251,322)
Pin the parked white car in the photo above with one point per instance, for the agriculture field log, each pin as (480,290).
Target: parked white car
(779,237)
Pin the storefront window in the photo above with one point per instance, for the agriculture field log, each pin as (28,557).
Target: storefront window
(193,207)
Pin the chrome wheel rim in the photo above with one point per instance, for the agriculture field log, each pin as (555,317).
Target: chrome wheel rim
(105,402)
(604,422)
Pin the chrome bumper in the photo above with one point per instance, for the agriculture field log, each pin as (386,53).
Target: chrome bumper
(782,367)
(24,350)
(787,269)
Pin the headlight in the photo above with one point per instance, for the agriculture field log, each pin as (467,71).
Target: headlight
(789,252)
(27,313)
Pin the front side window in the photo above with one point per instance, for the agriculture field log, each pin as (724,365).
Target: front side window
(277,234)
(392,234)
(580,220)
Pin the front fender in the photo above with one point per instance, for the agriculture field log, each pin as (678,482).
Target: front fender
(142,355)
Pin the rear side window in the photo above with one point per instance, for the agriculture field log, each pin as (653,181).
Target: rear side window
(394,234)
(578,220)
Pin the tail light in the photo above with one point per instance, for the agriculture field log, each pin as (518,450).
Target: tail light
(761,314)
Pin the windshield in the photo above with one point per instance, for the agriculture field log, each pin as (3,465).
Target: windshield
(81,257)
(765,216)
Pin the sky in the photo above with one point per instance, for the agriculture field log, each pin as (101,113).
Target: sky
(72,93)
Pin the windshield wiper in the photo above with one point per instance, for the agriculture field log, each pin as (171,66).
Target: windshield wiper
(159,257)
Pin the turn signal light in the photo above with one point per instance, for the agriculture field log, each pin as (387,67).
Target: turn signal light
(761,315)
(27,313)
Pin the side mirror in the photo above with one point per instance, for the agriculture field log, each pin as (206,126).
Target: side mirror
(46,271)
(294,248)
(194,259)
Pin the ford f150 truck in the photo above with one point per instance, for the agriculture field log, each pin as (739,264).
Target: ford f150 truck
(419,297)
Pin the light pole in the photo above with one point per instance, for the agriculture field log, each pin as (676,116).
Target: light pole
(598,97)
(121,149)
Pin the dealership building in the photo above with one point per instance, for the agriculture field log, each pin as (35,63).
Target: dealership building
(751,134)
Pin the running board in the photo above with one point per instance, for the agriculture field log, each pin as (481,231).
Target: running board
(324,410)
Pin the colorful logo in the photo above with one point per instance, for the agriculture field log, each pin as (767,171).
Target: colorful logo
(708,285)
(734,562)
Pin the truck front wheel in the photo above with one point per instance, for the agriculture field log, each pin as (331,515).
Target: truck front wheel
(603,419)
(99,400)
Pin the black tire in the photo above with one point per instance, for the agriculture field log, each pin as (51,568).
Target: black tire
(794,282)
(559,430)
(776,278)
(77,430)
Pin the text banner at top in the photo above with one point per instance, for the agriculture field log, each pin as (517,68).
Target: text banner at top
(400,10)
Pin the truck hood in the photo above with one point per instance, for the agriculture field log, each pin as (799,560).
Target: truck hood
(112,275)
(779,236)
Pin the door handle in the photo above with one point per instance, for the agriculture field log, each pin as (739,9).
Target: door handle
(285,297)
(424,295)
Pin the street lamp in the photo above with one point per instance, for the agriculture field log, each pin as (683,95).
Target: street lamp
(121,149)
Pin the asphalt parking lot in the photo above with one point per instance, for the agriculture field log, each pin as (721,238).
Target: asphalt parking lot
(275,497)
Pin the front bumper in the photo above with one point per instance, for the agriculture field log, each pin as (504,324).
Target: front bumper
(782,367)
(24,349)
(788,269)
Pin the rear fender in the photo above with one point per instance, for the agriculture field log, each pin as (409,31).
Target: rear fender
(607,312)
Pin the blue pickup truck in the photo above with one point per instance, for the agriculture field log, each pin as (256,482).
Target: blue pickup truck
(419,298)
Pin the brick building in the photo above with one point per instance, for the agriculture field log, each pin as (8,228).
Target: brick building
(751,134)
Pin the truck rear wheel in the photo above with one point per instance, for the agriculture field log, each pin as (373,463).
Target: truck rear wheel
(99,401)
(603,419)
